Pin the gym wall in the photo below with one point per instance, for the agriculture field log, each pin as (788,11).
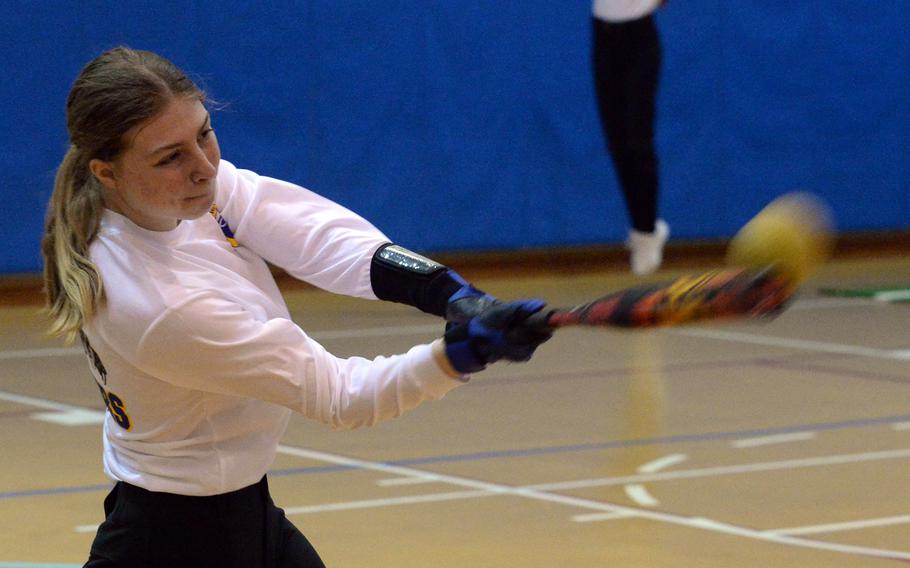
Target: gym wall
(471,125)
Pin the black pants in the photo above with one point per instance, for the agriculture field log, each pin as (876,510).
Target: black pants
(242,529)
(626,58)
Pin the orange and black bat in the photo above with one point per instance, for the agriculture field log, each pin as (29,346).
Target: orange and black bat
(719,294)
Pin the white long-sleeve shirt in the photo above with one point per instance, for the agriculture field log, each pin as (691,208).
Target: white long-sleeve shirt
(195,351)
(623,10)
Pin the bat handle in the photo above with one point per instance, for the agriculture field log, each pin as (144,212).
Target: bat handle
(540,320)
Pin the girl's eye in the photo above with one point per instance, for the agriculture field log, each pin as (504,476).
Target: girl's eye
(205,133)
(169,159)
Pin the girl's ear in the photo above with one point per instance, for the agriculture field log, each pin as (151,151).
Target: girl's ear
(103,172)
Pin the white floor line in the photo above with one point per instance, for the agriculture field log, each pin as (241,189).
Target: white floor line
(71,418)
(59,413)
(769,440)
(901,426)
(43,403)
(640,495)
(716,526)
(39,353)
(389,469)
(838,459)
(595,517)
(395,481)
(530,492)
(662,463)
(790,343)
(845,526)
(387,502)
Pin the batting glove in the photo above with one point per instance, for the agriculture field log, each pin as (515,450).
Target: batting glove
(494,334)
(467,301)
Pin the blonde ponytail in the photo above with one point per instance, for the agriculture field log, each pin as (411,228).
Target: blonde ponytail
(72,283)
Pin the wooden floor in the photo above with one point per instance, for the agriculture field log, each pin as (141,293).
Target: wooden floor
(781,444)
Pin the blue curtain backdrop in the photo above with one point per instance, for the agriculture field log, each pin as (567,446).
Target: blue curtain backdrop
(471,125)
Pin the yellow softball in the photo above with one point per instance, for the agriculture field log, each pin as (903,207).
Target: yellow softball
(793,233)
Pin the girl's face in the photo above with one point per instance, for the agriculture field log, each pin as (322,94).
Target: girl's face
(167,171)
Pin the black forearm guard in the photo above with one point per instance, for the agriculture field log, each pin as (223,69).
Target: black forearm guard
(399,275)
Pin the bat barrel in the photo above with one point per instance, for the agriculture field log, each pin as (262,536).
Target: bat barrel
(710,296)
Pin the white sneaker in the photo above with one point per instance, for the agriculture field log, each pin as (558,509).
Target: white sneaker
(647,248)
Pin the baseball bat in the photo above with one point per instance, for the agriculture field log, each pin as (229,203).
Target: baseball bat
(714,295)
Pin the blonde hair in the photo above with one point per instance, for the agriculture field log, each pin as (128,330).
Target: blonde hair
(114,92)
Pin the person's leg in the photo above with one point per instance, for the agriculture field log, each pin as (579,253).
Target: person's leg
(146,529)
(116,544)
(608,70)
(627,61)
(285,545)
(637,157)
(297,552)
(626,58)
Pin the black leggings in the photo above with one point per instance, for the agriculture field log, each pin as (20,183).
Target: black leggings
(242,529)
(626,58)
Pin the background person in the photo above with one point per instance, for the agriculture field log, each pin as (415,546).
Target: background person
(626,62)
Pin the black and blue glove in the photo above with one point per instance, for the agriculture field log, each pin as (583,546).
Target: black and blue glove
(496,333)
(467,301)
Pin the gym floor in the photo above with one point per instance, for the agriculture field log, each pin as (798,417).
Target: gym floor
(750,444)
